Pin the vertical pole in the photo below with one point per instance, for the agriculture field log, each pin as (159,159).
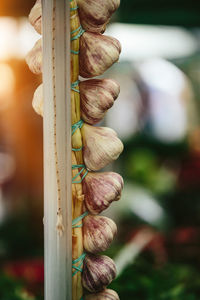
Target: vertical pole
(56,79)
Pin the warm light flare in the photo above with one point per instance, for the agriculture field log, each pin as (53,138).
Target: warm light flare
(17,37)
(7,85)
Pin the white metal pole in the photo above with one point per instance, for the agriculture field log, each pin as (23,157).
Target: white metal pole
(56,79)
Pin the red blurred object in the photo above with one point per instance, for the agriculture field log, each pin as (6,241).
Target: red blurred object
(156,246)
(186,235)
(32,271)
(189,175)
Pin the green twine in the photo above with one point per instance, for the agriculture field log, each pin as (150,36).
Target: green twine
(77,125)
(77,220)
(74,8)
(77,149)
(83,168)
(75,52)
(74,85)
(78,268)
(79,31)
(78,35)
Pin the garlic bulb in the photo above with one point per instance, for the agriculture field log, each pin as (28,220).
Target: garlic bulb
(107,294)
(97,96)
(101,146)
(98,233)
(37,102)
(101,189)
(94,15)
(35,16)
(98,272)
(97,53)
(34,58)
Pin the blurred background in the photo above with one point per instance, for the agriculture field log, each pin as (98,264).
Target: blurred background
(157,251)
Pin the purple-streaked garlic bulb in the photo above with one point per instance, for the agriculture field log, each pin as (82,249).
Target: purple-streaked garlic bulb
(101,189)
(97,96)
(35,16)
(95,14)
(97,53)
(34,58)
(37,102)
(98,233)
(98,272)
(101,146)
(107,294)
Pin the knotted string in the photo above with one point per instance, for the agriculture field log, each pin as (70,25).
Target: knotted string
(78,34)
(78,268)
(77,149)
(76,30)
(83,168)
(74,85)
(75,52)
(79,31)
(77,125)
(77,220)
(74,8)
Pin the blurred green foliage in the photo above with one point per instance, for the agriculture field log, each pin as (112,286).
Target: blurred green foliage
(12,289)
(143,167)
(143,281)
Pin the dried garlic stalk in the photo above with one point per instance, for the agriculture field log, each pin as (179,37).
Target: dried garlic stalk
(77,158)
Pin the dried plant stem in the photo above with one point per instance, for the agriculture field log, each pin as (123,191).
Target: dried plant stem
(77,158)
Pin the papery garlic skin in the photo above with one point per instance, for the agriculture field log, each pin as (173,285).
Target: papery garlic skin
(37,102)
(95,14)
(97,96)
(101,189)
(34,58)
(98,272)
(98,233)
(101,146)
(97,53)
(107,294)
(35,16)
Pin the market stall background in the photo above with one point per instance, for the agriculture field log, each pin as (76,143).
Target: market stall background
(156,115)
